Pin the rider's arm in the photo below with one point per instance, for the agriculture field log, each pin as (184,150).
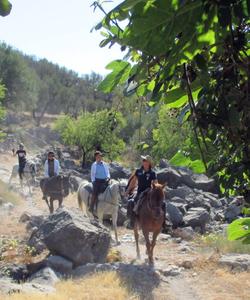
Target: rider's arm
(46,169)
(57,167)
(93,170)
(107,171)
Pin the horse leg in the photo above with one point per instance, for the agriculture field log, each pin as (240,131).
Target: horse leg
(51,206)
(114,223)
(136,234)
(60,202)
(148,244)
(153,243)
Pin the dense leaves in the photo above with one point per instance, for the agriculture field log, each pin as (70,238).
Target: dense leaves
(194,57)
(41,87)
(93,131)
(5,7)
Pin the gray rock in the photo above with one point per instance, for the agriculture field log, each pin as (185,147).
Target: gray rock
(70,234)
(174,214)
(171,271)
(45,276)
(181,192)
(186,233)
(237,262)
(9,287)
(25,217)
(8,206)
(232,212)
(170,176)
(35,222)
(69,164)
(197,217)
(59,264)
(117,171)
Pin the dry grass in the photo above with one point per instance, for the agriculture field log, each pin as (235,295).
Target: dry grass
(220,285)
(114,255)
(222,245)
(101,286)
(6,195)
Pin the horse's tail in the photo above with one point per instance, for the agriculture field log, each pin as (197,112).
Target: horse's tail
(79,199)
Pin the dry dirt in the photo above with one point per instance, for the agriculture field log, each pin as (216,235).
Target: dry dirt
(203,280)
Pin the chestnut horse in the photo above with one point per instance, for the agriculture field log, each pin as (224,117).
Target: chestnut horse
(150,218)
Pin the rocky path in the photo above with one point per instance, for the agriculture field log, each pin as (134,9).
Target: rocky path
(179,265)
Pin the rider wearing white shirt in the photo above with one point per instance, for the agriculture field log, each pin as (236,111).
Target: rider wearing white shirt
(52,166)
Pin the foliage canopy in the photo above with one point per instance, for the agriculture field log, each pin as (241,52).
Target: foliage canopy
(194,57)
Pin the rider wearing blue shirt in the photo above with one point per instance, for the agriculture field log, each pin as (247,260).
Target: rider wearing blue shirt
(99,176)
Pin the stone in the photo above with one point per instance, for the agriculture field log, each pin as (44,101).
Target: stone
(186,233)
(180,192)
(72,235)
(17,272)
(25,217)
(59,264)
(174,215)
(170,176)
(234,209)
(8,206)
(197,217)
(44,276)
(8,287)
(171,271)
(187,264)
(34,222)
(237,262)
(117,171)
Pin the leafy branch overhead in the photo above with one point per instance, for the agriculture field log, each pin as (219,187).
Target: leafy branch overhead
(5,8)
(193,57)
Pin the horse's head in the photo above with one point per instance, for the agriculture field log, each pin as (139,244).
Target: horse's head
(156,198)
(122,187)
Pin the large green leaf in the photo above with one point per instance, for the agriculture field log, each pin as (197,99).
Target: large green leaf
(239,229)
(5,7)
(119,75)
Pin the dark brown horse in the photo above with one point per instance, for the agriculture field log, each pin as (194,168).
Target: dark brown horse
(55,188)
(150,219)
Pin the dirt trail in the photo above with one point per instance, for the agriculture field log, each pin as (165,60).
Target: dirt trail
(192,283)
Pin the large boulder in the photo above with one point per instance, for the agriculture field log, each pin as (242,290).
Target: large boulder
(174,214)
(71,234)
(117,171)
(170,176)
(177,176)
(197,217)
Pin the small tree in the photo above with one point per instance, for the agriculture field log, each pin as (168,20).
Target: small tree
(93,131)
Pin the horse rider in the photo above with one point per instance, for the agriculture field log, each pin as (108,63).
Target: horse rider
(51,169)
(145,177)
(100,177)
(21,154)
(51,166)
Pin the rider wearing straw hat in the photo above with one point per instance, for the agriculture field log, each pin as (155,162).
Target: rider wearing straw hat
(145,176)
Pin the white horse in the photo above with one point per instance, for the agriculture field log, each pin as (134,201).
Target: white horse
(108,202)
(29,174)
